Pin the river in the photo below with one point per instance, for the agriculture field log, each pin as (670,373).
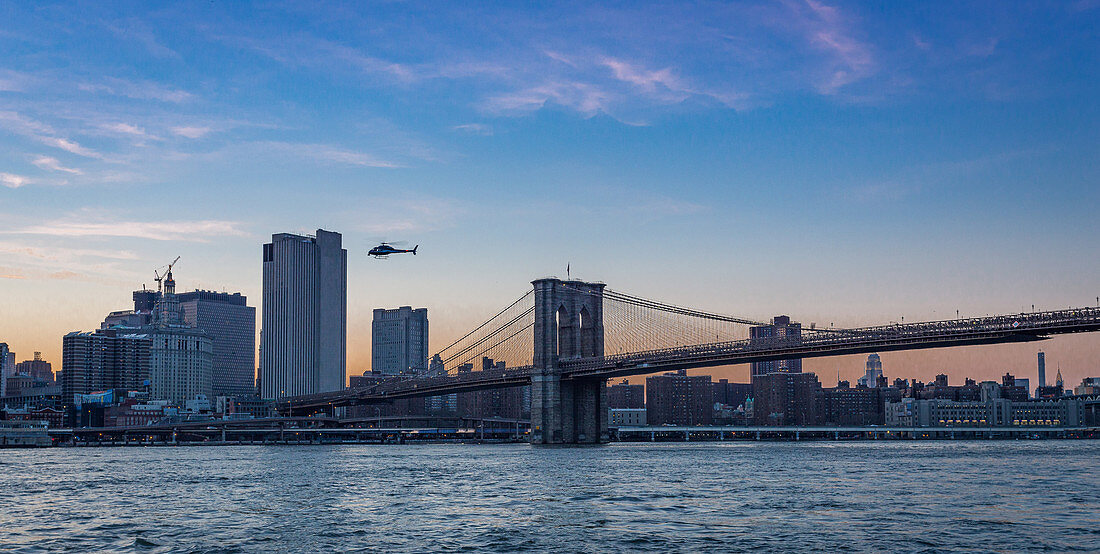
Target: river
(907,496)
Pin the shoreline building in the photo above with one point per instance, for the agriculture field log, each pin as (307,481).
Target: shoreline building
(304,323)
(104,359)
(231,325)
(4,354)
(399,341)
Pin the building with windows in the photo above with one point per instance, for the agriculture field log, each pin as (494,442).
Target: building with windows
(38,369)
(399,341)
(231,325)
(873,374)
(781,399)
(303,333)
(626,417)
(624,395)
(101,360)
(5,353)
(731,394)
(782,329)
(679,399)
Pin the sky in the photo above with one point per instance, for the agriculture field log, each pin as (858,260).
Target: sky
(847,162)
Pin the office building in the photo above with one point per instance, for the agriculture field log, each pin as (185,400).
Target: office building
(782,330)
(1042,369)
(181,357)
(231,325)
(4,355)
(38,369)
(871,377)
(626,396)
(679,399)
(399,341)
(303,333)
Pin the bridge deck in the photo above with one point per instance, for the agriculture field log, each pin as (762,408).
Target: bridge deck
(910,336)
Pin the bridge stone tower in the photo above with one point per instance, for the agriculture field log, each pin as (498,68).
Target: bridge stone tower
(568,324)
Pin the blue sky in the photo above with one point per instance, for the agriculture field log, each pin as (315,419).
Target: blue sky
(838,161)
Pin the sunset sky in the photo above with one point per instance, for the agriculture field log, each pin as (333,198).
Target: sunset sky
(840,162)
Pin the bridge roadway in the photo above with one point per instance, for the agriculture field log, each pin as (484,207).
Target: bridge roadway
(814,343)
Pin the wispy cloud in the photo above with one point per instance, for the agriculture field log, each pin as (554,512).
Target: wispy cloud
(327,153)
(829,30)
(128,130)
(44,134)
(138,90)
(192,231)
(53,164)
(474,129)
(583,97)
(14,181)
(191,132)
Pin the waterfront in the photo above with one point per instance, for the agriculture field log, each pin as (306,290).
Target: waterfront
(904,496)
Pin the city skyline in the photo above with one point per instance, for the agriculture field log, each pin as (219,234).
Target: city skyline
(824,160)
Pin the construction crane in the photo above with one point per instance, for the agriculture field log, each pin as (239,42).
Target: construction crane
(159,278)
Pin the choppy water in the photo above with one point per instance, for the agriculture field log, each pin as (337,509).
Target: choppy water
(901,496)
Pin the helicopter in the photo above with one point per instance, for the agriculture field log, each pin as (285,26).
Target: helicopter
(384,249)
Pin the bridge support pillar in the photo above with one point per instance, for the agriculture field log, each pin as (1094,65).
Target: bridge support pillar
(568,325)
(568,411)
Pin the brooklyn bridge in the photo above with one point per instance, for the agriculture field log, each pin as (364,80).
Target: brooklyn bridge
(566,338)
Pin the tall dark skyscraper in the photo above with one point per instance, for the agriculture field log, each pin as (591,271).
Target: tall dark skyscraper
(781,328)
(1042,369)
(399,341)
(303,336)
(231,325)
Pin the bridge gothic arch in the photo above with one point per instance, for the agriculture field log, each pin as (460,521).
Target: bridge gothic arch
(568,325)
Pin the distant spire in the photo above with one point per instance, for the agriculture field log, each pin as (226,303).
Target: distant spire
(1058,379)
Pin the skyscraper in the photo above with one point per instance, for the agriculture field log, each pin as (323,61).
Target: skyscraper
(4,354)
(399,341)
(780,329)
(231,325)
(303,332)
(1042,369)
(104,359)
(874,371)
(181,357)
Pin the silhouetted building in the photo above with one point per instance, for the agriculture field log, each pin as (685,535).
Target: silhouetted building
(844,405)
(624,395)
(1042,360)
(679,399)
(304,331)
(731,394)
(399,341)
(1011,391)
(5,353)
(38,369)
(785,399)
(231,325)
(781,330)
